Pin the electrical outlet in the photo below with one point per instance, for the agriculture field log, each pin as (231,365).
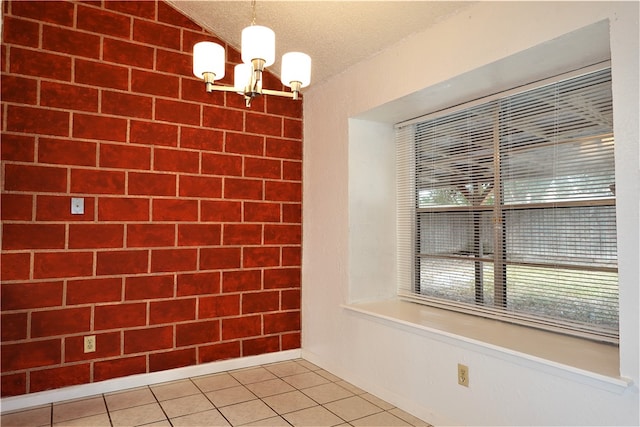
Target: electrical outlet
(89,343)
(463,375)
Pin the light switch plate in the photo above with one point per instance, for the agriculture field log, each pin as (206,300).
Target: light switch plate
(77,206)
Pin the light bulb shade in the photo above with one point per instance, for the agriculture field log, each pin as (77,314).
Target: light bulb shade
(241,76)
(296,67)
(258,42)
(208,57)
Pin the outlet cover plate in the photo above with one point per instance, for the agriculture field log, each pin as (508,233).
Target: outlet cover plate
(77,206)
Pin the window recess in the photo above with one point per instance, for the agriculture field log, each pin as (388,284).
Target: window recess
(506,208)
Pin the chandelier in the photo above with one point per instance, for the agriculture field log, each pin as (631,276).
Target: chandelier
(258,51)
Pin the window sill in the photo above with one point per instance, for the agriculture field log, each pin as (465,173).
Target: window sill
(577,359)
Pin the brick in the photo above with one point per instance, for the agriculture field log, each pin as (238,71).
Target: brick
(177,112)
(283,191)
(199,234)
(60,322)
(260,257)
(169,15)
(199,186)
(62,40)
(67,152)
(150,235)
(257,346)
(175,210)
(223,118)
(221,164)
(291,256)
(62,264)
(198,283)
(14,384)
(21,32)
(122,262)
(31,354)
(282,234)
(155,83)
(174,260)
(121,367)
(197,333)
(117,316)
(125,156)
(263,124)
(33,236)
(16,207)
(219,306)
(15,266)
(194,90)
(284,107)
(291,341)
(63,376)
(242,234)
(13,326)
(18,148)
(241,281)
(292,212)
(173,62)
(148,287)
(281,322)
(260,302)
(222,351)
(262,168)
(57,12)
(176,160)
(99,127)
(292,128)
(290,299)
(246,189)
(282,278)
(126,104)
(125,53)
(107,345)
(152,184)
(241,327)
(94,291)
(261,212)
(244,144)
(84,236)
(20,90)
(70,97)
(172,311)
(35,178)
(94,181)
(101,74)
(172,359)
(40,64)
(156,34)
(58,208)
(201,139)
(37,120)
(292,171)
(30,295)
(284,148)
(100,21)
(148,339)
(141,9)
(219,258)
(151,133)
(123,209)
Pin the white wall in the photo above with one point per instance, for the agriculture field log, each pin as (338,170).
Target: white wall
(349,240)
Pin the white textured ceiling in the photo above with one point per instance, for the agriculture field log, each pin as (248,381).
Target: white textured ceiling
(336,34)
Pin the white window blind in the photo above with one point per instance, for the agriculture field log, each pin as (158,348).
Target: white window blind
(506,208)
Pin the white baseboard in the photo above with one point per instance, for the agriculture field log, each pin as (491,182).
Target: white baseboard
(118,384)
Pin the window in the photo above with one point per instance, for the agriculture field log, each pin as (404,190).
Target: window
(506,208)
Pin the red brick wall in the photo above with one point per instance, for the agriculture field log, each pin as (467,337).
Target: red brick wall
(189,248)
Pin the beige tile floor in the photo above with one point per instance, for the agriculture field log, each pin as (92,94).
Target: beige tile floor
(291,393)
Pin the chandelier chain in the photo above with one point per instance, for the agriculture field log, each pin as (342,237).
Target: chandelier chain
(253,8)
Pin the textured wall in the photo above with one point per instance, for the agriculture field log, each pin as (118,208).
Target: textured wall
(189,247)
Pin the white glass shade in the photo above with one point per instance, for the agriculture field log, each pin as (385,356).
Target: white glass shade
(258,42)
(241,76)
(208,57)
(296,67)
